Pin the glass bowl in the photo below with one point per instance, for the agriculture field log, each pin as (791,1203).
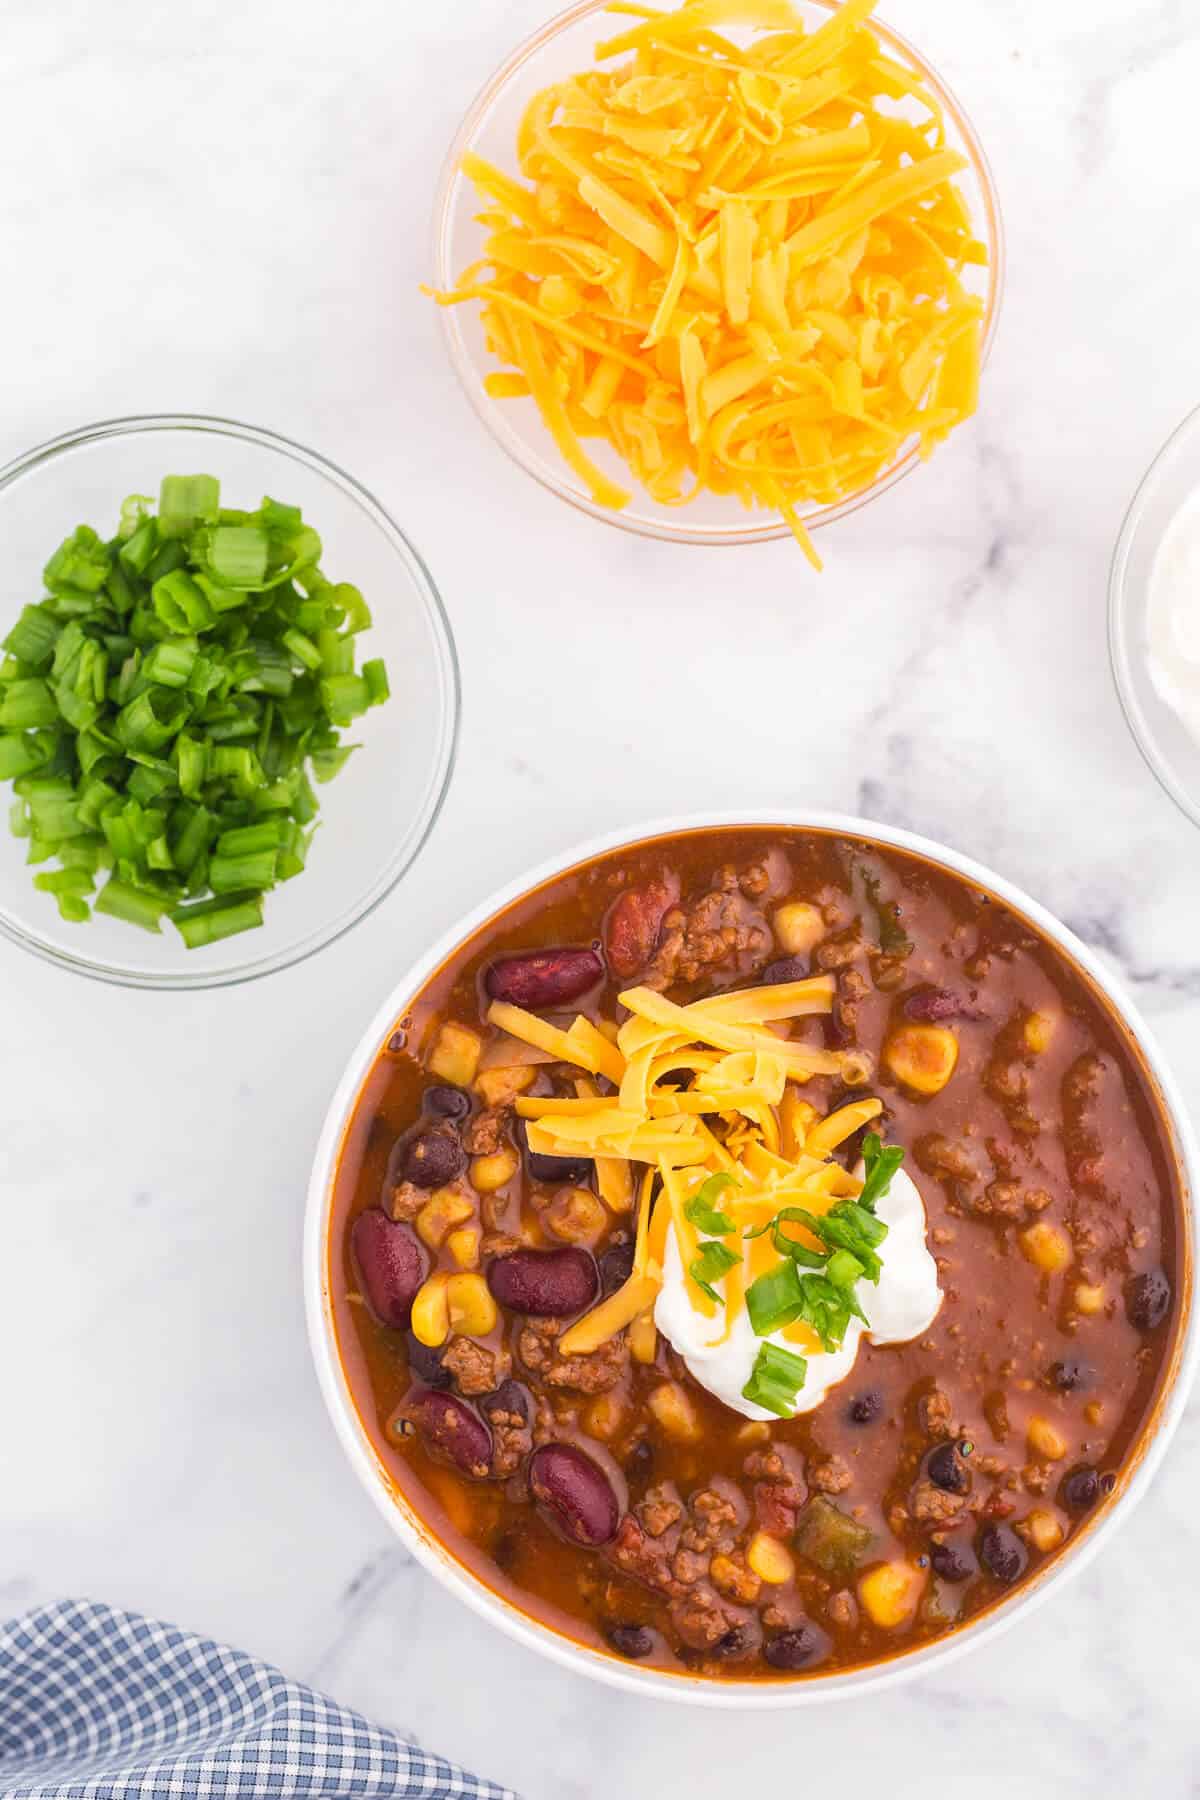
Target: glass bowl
(563,47)
(378,811)
(1172,482)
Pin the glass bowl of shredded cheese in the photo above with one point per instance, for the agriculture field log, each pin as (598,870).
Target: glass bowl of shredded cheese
(722,273)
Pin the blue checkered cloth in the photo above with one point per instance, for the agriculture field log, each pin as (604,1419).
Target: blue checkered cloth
(103,1705)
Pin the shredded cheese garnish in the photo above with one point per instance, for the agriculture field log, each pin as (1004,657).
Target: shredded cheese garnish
(739,264)
(738,1069)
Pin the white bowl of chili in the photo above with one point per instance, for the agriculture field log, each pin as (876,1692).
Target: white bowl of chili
(1109,1499)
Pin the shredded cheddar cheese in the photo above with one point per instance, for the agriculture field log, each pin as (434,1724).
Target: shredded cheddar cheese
(738,260)
(740,1070)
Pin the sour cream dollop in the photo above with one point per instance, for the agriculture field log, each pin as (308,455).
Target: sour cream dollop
(1173,616)
(903,1305)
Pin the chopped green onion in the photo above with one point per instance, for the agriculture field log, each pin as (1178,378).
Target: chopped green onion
(881,1164)
(185,501)
(700,1210)
(120,900)
(232,874)
(26,704)
(375,676)
(776,1380)
(713,1261)
(209,921)
(237,556)
(32,638)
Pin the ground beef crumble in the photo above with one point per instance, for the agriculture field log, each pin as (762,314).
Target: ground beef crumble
(476,1370)
(591,1374)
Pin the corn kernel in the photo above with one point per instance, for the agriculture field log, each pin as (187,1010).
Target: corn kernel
(491,1172)
(445,1208)
(604,1416)
(1038,1031)
(771,1561)
(431,1313)
(1042,1529)
(455,1054)
(798,927)
(643,1337)
(674,1411)
(890,1592)
(755,1431)
(922,1057)
(1088,1299)
(1093,1412)
(576,1216)
(1047,1246)
(470,1306)
(1045,1439)
(496,1087)
(462,1246)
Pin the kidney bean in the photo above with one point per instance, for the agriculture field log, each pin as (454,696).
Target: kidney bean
(633,924)
(570,1170)
(785,968)
(1148,1299)
(432,1158)
(509,1397)
(575,1492)
(616,1266)
(392,1265)
(450,1427)
(545,1284)
(543,978)
(425,1365)
(631,1640)
(797,1648)
(446,1102)
(1002,1553)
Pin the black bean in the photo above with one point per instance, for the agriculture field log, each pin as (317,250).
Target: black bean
(1080,1488)
(947,1470)
(446,1102)
(577,1171)
(509,1397)
(953,1562)
(739,1640)
(432,1158)
(797,1648)
(1002,1553)
(631,1640)
(616,1266)
(425,1364)
(1071,1373)
(864,1409)
(1148,1299)
(786,968)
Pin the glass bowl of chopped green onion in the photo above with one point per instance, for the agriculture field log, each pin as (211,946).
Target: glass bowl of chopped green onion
(228,702)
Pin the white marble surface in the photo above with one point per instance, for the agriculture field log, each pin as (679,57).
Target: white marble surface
(224,208)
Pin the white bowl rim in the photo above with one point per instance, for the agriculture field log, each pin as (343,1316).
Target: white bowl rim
(546,1641)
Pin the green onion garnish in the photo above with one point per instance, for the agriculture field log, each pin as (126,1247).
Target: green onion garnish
(701,1211)
(162,707)
(881,1164)
(713,1261)
(776,1379)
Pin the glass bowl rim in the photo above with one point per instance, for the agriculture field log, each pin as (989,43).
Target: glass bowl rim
(1118,621)
(487,410)
(17,931)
